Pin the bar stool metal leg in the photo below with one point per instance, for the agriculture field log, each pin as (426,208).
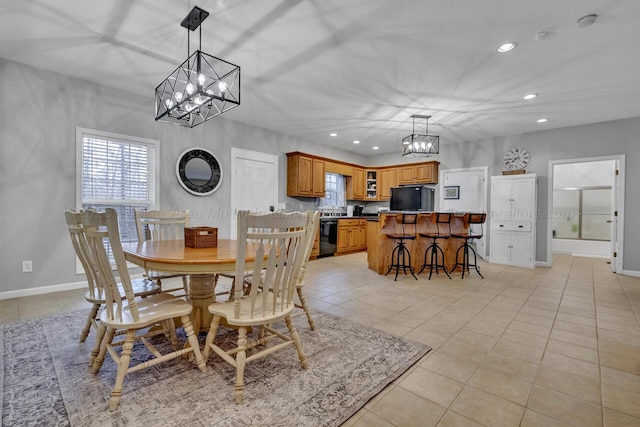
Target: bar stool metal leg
(436,251)
(399,257)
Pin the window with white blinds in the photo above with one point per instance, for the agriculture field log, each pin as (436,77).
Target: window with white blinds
(116,171)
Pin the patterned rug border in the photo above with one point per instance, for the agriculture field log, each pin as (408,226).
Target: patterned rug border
(44,385)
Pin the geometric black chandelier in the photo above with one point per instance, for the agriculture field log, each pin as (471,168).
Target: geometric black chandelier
(200,89)
(420,145)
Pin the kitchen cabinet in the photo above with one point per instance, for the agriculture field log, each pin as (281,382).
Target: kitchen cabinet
(352,235)
(511,247)
(422,173)
(513,220)
(305,176)
(371,185)
(315,250)
(388,178)
(356,185)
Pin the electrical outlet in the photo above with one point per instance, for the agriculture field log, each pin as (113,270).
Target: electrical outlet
(27,266)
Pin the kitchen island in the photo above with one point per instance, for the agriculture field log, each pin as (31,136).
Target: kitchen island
(379,246)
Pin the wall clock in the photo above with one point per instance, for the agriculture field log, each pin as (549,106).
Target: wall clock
(516,158)
(199,171)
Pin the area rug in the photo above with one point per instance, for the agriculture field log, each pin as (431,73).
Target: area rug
(46,380)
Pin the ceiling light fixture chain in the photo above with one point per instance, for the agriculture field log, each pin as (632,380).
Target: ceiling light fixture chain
(201,88)
(420,145)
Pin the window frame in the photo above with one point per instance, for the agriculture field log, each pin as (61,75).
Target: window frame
(81,133)
(339,193)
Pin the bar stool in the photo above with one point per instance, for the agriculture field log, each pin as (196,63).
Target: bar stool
(442,232)
(401,257)
(469,234)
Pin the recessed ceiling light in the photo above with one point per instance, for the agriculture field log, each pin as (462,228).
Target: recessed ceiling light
(333,134)
(530,96)
(356,142)
(543,120)
(506,47)
(587,20)
(376,148)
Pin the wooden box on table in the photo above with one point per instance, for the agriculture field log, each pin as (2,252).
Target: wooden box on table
(201,237)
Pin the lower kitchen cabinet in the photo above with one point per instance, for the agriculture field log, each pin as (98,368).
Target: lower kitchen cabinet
(352,235)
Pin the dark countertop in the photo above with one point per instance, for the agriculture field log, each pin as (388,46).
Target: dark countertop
(327,218)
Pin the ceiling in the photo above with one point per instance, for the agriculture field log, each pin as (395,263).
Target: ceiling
(359,68)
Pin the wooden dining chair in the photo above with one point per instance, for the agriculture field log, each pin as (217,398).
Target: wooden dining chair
(95,294)
(315,222)
(162,225)
(131,314)
(281,243)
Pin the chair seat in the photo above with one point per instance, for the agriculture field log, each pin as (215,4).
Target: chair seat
(226,310)
(152,309)
(401,236)
(141,288)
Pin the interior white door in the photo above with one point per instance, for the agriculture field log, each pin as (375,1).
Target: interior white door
(472,195)
(254,183)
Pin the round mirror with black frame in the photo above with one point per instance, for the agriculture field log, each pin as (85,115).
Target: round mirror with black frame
(199,171)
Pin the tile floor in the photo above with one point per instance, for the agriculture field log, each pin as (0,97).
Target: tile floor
(555,346)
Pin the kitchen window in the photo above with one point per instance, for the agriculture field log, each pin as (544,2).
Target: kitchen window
(334,191)
(116,171)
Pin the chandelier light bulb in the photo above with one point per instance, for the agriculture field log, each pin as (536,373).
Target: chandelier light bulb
(198,100)
(201,79)
(430,146)
(178,96)
(222,86)
(190,88)
(168,103)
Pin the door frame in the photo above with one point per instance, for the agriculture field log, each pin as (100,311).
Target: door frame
(239,153)
(617,238)
(484,200)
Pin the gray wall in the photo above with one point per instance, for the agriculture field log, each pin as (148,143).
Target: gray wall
(39,113)
(593,140)
(40,110)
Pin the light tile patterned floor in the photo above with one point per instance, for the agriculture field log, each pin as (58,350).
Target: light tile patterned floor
(555,346)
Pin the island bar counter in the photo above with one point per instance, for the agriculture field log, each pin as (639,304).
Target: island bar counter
(379,246)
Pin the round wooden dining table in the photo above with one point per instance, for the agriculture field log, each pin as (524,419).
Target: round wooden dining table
(201,264)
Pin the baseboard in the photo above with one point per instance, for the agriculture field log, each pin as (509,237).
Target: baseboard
(631,273)
(42,290)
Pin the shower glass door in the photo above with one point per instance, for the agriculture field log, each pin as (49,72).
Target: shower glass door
(582,213)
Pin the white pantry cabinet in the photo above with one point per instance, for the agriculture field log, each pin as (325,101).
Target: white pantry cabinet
(513,220)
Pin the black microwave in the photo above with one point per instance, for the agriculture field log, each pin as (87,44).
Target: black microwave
(415,198)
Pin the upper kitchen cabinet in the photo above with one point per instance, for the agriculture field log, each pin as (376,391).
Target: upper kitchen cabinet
(305,176)
(356,185)
(419,173)
(387,179)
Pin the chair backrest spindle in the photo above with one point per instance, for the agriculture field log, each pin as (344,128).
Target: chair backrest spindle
(161,225)
(102,228)
(279,240)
